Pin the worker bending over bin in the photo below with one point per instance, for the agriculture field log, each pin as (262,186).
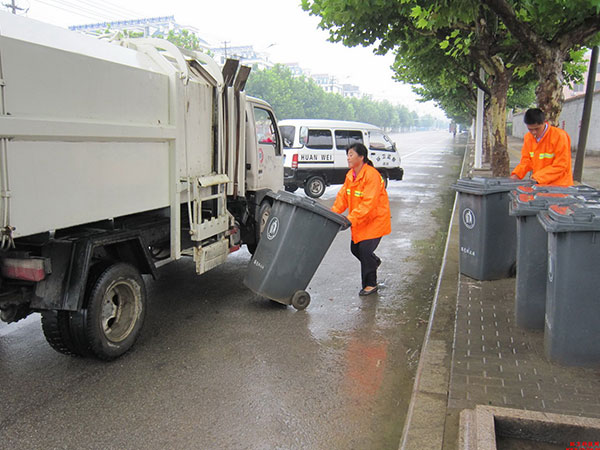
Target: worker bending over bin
(546,152)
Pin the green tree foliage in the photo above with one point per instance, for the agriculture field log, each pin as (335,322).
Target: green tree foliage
(300,97)
(551,32)
(470,34)
(182,38)
(438,45)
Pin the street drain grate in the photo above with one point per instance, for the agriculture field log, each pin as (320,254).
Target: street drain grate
(492,428)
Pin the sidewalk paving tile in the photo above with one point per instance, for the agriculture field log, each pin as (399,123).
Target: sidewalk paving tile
(497,363)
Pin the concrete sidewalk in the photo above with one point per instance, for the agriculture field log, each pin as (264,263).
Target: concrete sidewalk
(474,354)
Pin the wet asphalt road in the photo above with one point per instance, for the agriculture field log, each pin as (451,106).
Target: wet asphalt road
(218,367)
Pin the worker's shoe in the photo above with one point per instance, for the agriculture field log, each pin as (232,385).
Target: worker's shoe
(364,292)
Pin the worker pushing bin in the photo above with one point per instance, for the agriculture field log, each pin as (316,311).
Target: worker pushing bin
(487,233)
(571,332)
(298,233)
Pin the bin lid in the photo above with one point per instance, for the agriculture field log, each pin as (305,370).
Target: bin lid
(485,185)
(311,205)
(583,216)
(530,204)
(580,189)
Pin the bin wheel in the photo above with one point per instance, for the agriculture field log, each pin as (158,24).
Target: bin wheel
(300,300)
(315,186)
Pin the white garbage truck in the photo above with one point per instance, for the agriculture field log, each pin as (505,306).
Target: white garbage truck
(118,157)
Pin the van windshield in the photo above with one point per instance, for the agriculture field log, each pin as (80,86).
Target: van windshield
(287,133)
(380,141)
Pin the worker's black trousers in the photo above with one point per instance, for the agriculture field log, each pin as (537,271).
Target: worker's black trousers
(369,262)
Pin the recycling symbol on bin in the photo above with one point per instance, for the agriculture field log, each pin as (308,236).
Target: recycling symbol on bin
(468,217)
(272,228)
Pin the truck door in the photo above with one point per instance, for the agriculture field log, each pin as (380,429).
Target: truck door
(268,149)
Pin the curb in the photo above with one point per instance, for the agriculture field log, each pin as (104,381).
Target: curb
(426,417)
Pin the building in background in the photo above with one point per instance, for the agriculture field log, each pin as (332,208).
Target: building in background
(246,54)
(351,91)
(149,27)
(579,89)
(328,83)
(296,70)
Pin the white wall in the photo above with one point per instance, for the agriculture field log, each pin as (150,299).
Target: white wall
(570,121)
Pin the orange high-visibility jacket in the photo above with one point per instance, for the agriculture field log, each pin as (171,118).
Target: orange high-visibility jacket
(367,201)
(549,159)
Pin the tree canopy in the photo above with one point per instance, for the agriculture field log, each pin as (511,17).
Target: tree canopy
(502,36)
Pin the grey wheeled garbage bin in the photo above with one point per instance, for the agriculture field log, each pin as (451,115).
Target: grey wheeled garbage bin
(488,238)
(572,330)
(298,233)
(532,249)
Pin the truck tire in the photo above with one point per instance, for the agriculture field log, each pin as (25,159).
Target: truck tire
(114,311)
(315,186)
(56,326)
(291,188)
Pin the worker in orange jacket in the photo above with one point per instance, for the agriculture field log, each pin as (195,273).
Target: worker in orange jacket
(364,195)
(546,152)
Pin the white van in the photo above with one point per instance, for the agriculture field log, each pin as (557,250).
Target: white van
(315,152)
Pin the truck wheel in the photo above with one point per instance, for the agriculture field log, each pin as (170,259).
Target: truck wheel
(300,300)
(291,188)
(315,186)
(56,326)
(114,311)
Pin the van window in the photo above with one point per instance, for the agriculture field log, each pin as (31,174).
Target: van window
(345,138)
(379,141)
(288,132)
(319,139)
(266,132)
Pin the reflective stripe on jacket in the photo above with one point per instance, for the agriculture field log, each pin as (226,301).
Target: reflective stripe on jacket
(367,201)
(549,159)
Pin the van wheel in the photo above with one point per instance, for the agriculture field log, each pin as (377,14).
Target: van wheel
(315,186)
(384,175)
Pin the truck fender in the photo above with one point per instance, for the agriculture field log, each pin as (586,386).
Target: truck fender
(65,288)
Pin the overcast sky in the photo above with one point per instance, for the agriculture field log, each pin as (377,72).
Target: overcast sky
(279,27)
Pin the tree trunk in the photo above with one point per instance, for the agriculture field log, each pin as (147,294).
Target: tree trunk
(549,91)
(500,159)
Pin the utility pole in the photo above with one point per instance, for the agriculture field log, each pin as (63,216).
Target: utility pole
(587,113)
(225,46)
(479,125)
(13,6)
